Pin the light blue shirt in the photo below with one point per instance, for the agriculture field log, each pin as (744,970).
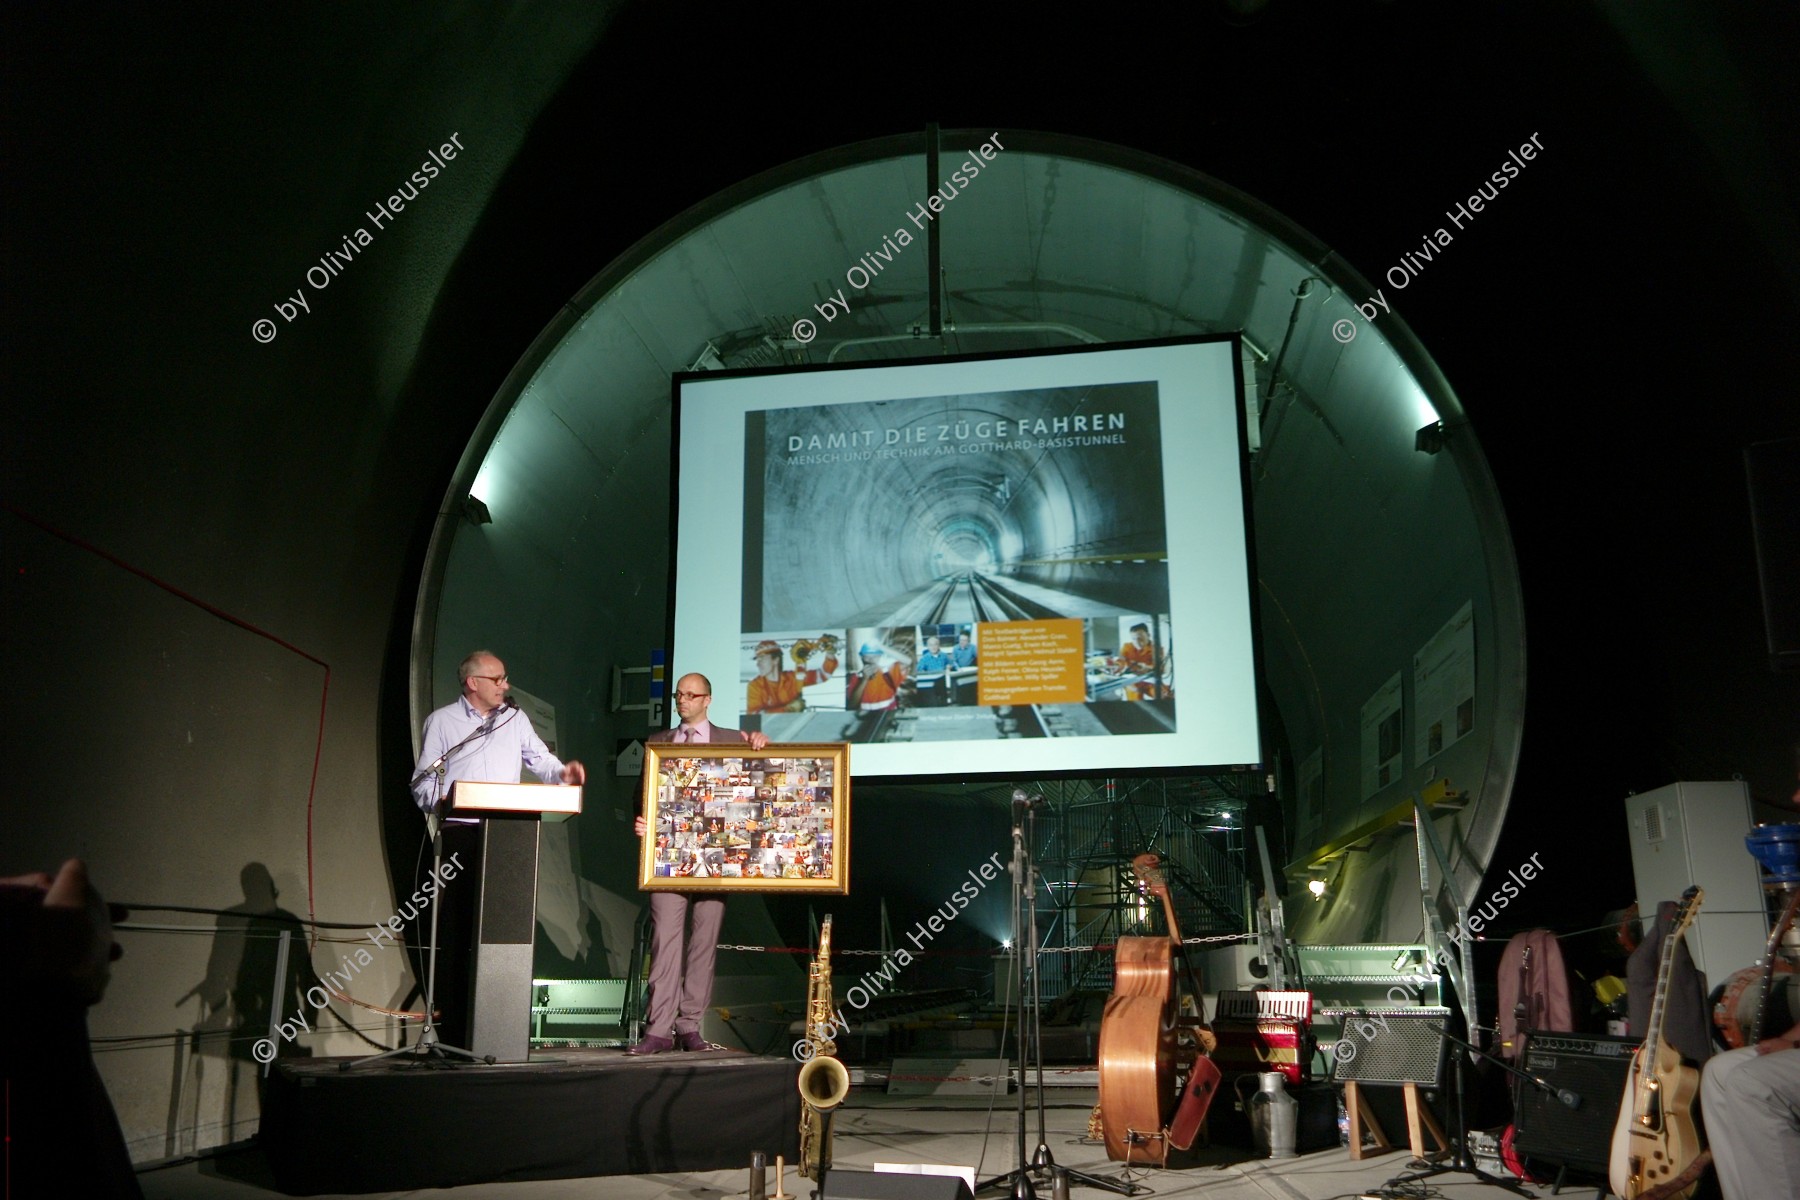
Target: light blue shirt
(963,656)
(495,758)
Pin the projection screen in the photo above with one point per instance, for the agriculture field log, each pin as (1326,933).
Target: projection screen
(979,565)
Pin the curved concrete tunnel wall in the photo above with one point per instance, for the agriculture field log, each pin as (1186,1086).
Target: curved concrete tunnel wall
(1365,547)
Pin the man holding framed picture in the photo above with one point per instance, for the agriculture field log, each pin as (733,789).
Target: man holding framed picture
(681,976)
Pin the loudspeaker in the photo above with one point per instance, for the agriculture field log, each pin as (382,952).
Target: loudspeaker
(509,870)
(1592,1067)
(844,1184)
(1391,1048)
(1772,470)
(506,928)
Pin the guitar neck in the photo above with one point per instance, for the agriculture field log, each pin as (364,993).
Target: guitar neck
(1653,1032)
(1770,952)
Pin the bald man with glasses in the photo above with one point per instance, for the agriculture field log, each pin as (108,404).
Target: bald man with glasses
(681,976)
(483,737)
(507,741)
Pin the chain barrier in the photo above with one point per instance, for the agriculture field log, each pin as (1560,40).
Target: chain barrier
(1098,947)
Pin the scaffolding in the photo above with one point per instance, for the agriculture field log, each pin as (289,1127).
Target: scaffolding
(1087,835)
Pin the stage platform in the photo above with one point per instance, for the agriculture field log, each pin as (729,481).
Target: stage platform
(404,1124)
(876,1128)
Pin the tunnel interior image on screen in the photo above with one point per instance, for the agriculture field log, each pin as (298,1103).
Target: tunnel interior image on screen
(974,566)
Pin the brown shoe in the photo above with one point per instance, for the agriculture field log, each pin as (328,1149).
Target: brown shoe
(652,1045)
(694,1042)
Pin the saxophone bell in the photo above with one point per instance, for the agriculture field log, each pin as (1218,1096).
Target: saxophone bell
(824,1082)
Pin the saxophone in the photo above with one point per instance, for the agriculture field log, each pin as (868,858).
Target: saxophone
(823,1080)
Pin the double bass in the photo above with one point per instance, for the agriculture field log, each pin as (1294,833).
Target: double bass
(1145,1042)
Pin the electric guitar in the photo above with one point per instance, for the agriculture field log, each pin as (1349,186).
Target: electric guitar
(1655,1139)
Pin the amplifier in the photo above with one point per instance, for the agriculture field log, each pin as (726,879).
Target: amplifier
(1593,1069)
(1391,1047)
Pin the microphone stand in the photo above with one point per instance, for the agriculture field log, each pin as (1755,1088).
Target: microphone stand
(437,768)
(1464,1161)
(1024,923)
(1019,1178)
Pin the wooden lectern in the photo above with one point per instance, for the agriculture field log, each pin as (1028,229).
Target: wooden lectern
(506,907)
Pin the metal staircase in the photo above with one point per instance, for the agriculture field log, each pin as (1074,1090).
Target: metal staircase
(1086,837)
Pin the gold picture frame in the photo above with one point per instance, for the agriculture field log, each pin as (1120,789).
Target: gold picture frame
(721,817)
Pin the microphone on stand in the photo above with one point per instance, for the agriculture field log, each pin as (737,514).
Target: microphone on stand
(1019,797)
(506,702)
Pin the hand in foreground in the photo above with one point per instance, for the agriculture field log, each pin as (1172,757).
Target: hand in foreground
(758,740)
(574,772)
(68,945)
(637,827)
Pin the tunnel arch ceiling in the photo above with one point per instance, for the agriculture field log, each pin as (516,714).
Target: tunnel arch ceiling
(1367,548)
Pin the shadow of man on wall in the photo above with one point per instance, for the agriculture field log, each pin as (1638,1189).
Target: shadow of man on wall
(236,996)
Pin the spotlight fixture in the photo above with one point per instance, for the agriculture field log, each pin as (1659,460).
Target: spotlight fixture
(476,512)
(1430,439)
(1317,888)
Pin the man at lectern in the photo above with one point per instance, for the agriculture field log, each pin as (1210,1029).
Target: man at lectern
(508,744)
(681,977)
(499,741)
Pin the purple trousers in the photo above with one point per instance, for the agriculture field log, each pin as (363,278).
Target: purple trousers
(681,961)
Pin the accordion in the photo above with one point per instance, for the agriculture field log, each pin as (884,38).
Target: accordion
(1263,1031)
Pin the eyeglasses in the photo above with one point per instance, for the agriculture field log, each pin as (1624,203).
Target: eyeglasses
(692,695)
(490,678)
